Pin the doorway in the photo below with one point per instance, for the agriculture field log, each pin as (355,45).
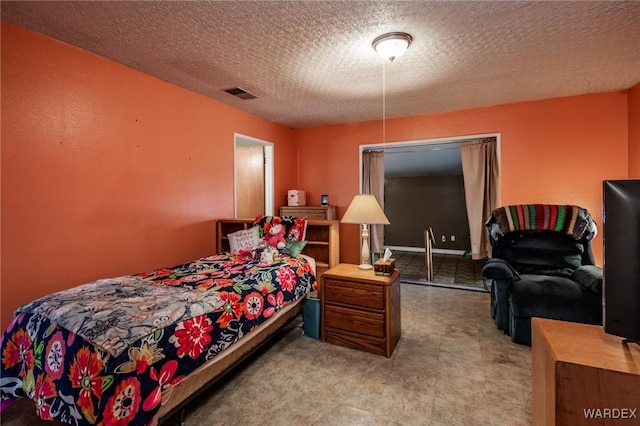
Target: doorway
(253,177)
(425,188)
(430,157)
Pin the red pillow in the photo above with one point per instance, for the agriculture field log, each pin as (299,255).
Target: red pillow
(295,229)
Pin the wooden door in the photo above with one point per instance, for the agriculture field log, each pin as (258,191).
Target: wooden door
(249,181)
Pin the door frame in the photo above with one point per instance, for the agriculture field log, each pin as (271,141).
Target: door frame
(239,138)
(425,142)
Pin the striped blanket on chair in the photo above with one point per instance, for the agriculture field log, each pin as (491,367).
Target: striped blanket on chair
(571,220)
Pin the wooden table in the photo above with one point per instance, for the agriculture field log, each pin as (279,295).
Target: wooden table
(583,376)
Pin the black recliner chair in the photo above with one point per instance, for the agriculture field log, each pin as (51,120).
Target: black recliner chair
(542,266)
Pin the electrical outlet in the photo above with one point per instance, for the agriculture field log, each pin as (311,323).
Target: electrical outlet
(453,238)
(444,239)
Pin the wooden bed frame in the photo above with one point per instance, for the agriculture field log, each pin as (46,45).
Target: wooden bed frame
(176,397)
(323,240)
(322,245)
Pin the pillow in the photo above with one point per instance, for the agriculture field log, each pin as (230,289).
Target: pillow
(295,228)
(294,248)
(245,239)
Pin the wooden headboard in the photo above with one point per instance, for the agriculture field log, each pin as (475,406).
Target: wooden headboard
(323,240)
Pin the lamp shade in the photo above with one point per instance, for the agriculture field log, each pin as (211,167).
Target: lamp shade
(364,209)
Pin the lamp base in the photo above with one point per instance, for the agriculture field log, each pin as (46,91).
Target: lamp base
(365,266)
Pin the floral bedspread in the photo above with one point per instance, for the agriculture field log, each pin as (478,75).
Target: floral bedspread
(113,313)
(74,381)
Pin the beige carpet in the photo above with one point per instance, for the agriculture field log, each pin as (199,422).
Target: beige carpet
(451,367)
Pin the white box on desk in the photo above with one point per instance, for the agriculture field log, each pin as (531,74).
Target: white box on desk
(296,197)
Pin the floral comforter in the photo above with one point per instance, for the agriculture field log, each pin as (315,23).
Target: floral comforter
(75,381)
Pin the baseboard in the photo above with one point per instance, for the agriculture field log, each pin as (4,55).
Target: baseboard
(400,248)
(453,286)
(421,250)
(448,251)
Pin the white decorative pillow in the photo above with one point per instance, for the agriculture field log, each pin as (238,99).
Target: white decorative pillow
(245,239)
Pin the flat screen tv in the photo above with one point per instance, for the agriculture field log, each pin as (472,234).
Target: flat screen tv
(621,265)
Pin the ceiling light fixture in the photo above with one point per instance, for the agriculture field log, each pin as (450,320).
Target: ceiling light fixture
(392,45)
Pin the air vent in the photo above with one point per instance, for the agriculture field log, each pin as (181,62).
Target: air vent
(240,93)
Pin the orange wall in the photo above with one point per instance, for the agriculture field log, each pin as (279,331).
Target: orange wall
(108,171)
(634,132)
(552,151)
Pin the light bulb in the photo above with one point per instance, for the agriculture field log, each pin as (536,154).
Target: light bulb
(392,49)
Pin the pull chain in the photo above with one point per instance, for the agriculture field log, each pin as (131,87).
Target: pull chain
(384,103)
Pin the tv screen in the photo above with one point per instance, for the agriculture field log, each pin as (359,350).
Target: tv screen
(621,266)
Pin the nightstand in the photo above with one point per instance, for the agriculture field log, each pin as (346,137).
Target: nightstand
(360,309)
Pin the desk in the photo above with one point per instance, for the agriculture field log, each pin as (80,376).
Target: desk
(578,367)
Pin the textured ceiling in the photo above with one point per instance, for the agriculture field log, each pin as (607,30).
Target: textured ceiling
(310,63)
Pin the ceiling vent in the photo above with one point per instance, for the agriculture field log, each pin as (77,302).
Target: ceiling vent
(240,93)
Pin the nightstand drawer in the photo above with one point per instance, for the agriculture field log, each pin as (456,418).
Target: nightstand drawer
(356,341)
(369,323)
(361,295)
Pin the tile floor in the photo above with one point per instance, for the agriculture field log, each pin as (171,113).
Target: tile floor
(451,367)
(448,270)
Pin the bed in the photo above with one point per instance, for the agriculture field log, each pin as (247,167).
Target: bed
(134,349)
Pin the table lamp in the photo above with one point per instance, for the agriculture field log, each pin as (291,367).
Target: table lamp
(364,210)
